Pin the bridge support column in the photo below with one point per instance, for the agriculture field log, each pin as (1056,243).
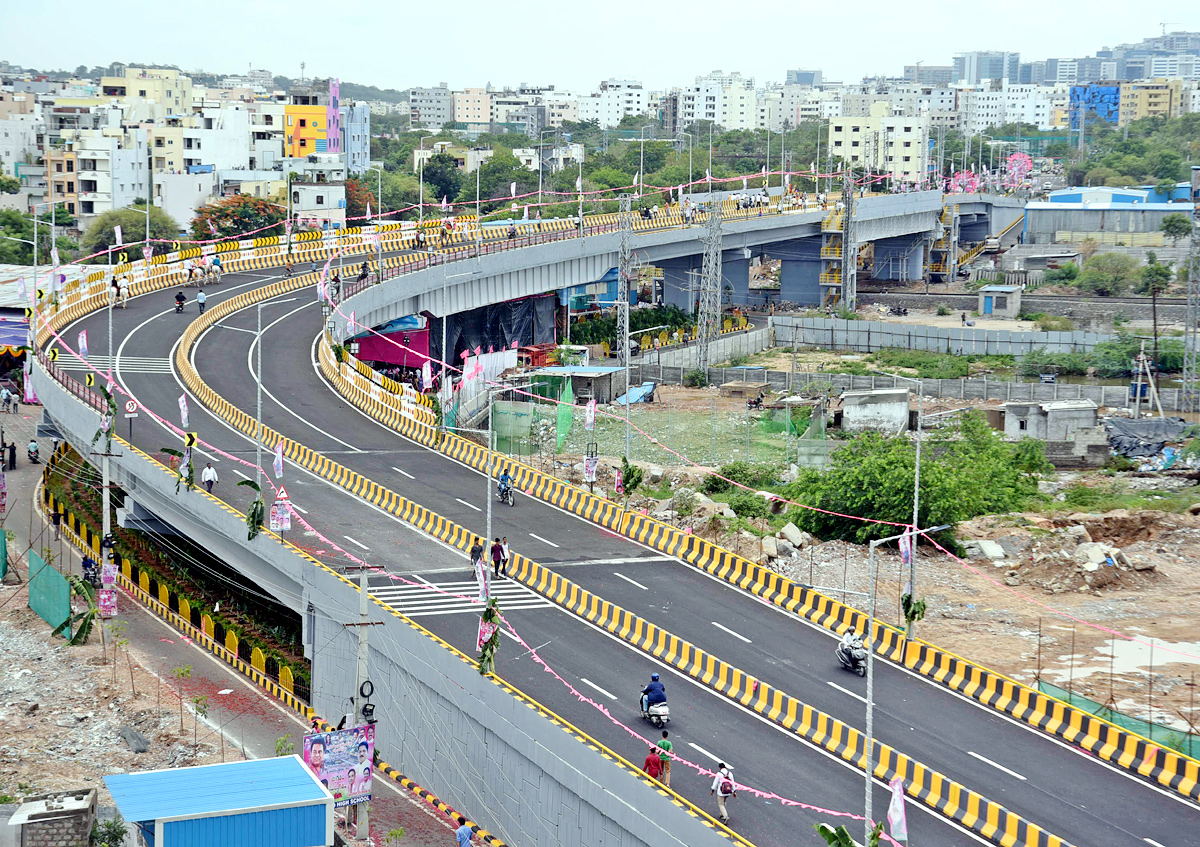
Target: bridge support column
(800,274)
(677,283)
(735,280)
(899,258)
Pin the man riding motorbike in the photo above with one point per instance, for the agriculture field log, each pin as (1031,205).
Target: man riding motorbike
(653,693)
(33,451)
(504,483)
(180,299)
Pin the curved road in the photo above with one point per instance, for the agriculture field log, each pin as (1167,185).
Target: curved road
(1070,794)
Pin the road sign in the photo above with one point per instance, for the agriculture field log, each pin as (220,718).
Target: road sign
(189,439)
(90,379)
(131,407)
(283,496)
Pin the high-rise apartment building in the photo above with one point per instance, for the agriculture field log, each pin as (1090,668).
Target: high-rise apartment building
(430,108)
(974,67)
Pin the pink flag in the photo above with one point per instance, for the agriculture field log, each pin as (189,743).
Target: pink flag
(897,816)
(479,351)
(491,348)
(514,344)
(464,354)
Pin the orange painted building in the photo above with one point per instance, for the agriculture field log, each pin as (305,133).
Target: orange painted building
(305,127)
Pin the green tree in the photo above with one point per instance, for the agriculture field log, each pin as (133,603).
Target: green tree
(442,177)
(238,215)
(967,469)
(1108,274)
(132,220)
(1155,280)
(9,184)
(1176,226)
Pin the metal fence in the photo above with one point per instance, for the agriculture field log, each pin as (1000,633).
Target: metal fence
(49,592)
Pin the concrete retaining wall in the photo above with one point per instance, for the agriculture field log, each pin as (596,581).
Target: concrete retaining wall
(870,336)
(1093,310)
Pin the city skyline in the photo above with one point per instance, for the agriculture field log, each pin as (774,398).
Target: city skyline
(469,58)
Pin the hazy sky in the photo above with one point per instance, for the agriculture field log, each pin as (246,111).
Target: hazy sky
(573,45)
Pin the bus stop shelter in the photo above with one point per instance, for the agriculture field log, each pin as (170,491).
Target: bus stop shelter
(260,803)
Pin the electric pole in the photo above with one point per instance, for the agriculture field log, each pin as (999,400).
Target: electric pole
(624,275)
(708,321)
(849,248)
(1191,392)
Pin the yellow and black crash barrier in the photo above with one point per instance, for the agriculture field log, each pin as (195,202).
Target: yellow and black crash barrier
(957,802)
(204,635)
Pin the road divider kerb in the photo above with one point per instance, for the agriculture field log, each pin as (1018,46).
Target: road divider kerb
(814,726)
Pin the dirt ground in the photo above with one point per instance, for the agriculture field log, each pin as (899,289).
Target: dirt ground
(62,709)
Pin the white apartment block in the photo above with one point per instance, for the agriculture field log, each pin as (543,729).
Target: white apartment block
(560,107)
(1179,66)
(18,139)
(430,108)
(884,143)
(268,121)
(473,107)
(615,99)
(112,170)
(728,100)
(980,109)
(216,137)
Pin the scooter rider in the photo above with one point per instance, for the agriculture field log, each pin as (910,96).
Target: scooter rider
(32,449)
(505,482)
(180,299)
(653,693)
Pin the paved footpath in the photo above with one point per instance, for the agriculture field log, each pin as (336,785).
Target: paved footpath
(250,720)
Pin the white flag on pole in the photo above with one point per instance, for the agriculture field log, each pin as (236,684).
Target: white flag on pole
(589,416)
(579,183)
(117,233)
(896,812)
(183,410)
(83,351)
(707,175)
(278,468)
(368,210)
(350,322)
(743,183)
(512,189)
(21,287)
(54,254)
(637,178)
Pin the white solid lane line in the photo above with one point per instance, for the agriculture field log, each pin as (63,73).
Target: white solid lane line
(468,505)
(996,766)
(631,581)
(847,692)
(704,752)
(544,541)
(731,632)
(607,694)
(1153,843)
(356,541)
(403,473)
(239,473)
(299,509)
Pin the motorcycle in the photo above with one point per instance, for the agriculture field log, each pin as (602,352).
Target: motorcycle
(898,310)
(659,714)
(179,307)
(853,658)
(755,403)
(33,456)
(504,493)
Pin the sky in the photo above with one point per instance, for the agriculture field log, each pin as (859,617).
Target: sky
(571,45)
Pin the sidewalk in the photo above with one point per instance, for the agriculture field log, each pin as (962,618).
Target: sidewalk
(79,723)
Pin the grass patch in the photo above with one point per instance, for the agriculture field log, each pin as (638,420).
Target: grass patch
(1114,494)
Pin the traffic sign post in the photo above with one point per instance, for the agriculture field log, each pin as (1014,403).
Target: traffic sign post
(131,412)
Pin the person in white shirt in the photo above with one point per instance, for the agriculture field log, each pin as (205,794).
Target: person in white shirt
(209,477)
(504,556)
(723,786)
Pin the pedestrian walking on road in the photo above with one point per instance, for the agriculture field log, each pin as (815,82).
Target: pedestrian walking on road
(504,556)
(201,299)
(664,753)
(653,764)
(56,519)
(497,556)
(476,552)
(723,787)
(209,475)
(464,833)
(12,456)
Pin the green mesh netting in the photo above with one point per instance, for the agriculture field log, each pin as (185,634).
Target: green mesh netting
(1167,736)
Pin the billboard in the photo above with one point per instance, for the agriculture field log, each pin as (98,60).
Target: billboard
(342,761)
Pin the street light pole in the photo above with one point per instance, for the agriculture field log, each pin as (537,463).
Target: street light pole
(541,135)
(421,187)
(642,161)
(912,553)
(258,424)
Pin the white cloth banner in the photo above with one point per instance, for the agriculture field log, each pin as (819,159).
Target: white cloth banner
(83,350)
(117,233)
(278,468)
(183,410)
(897,817)
(589,415)
(590,464)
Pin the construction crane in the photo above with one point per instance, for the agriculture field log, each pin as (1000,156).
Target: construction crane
(1165,24)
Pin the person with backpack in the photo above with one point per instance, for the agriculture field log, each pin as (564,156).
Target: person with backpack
(723,787)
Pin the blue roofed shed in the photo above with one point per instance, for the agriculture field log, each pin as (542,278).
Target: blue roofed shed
(261,803)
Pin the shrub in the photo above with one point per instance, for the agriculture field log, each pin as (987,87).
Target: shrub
(695,379)
(747,505)
(1055,323)
(751,474)
(1067,273)
(943,310)
(684,502)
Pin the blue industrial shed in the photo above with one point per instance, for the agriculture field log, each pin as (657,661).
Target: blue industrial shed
(261,803)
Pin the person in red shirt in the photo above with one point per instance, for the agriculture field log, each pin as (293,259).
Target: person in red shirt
(653,764)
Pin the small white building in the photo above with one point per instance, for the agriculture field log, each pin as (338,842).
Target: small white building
(180,195)
(883,410)
(1055,421)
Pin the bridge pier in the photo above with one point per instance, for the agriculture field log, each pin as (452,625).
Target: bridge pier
(901,258)
(800,273)
(735,279)
(677,282)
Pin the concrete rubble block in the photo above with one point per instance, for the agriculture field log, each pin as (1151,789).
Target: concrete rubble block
(793,534)
(655,473)
(1091,552)
(769,547)
(137,742)
(785,548)
(989,549)
(729,513)
(1079,532)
